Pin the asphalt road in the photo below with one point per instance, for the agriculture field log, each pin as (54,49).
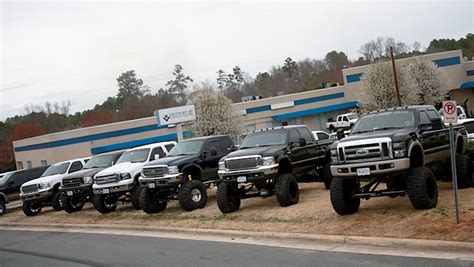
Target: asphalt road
(25,248)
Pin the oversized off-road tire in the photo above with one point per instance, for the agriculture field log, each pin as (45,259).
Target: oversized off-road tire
(150,201)
(342,195)
(71,205)
(463,171)
(422,188)
(286,190)
(228,198)
(326,175)
(56,201)
(192,195)
(135,196)
(3,208)
(31,208)
(104,203)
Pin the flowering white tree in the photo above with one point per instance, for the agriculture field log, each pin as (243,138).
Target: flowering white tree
(427,80)
(420,83)
(216,115)
(378,88)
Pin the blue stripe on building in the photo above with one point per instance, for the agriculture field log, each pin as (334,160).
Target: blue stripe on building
(135,143)
(315,111)
(259,109)
(467,85)
(88,138)
(354,77)
(447,61)
(318,98)
(470,73)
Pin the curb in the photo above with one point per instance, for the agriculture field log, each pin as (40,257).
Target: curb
(438,245)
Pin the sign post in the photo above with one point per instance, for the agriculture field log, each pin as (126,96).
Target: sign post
(177,116)
(451,116)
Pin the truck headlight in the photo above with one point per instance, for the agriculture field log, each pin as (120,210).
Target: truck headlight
(125,176)
(267,161)
(87,180)
(221,165)
(173,170)
(44,186)
(399,150)
(334,158)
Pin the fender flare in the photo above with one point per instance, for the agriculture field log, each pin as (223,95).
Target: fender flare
(414,144)
(191,165)
(3,197)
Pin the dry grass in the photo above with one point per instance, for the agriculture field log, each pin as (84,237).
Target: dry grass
(385,217)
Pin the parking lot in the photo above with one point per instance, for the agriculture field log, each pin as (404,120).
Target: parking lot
(384,217)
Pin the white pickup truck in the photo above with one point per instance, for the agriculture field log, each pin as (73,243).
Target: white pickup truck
(344,121)
(121,180)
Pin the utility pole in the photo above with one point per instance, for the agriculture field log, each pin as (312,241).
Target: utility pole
(397,90)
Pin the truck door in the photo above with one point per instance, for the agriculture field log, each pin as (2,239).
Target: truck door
(213,153)
(298,154)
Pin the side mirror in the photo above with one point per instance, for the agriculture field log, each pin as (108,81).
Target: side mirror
(10,182)
(157,156)
(204,154)
(425,127)
(302,142)
(232,148)
(340,134)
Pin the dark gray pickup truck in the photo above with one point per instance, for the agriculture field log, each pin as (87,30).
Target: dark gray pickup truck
(270,161)
(401,147)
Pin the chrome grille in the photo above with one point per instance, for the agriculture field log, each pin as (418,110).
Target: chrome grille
(155,171)
(30,188)
(242,163)
(365,152)
(106,179)
(72,182)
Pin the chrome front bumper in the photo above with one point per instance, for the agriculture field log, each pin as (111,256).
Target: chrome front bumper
(376,167)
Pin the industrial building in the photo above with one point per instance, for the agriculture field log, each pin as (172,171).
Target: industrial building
(312,108)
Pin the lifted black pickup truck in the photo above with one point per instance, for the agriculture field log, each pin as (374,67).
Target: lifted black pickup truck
(76,188)
(402,147)
(270,160)
(185,174)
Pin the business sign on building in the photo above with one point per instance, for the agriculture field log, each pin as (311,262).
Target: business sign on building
(175,115)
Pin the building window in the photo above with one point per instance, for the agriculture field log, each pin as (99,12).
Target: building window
(29,165)
(44,163)
(19,165)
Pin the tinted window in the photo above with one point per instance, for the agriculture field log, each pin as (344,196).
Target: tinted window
(385,120)
(155,151)
(134,156)
(169,147)
(306,134)
(322,136)
(213,148)
(294,136)
(226,142)
(264,138)
(424,118)
(433,114)
(187,148)
(75,166)
(58,168)
(469,127)
(345,118)
(100,161)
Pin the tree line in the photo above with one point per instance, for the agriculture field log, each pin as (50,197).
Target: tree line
(134,99)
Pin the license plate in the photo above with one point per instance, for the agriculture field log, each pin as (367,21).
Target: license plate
(69,193)
(363,171)
(241,179)
(106,191)
(151,185)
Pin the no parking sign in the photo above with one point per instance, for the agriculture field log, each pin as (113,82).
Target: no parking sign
(450,111)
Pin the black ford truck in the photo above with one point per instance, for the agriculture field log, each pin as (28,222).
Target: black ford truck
(11,182)
(185,174)
(401,147)
(76,188)
(269,161)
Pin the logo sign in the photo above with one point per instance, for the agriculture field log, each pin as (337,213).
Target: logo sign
(450,111)
(362,151)
(175,115)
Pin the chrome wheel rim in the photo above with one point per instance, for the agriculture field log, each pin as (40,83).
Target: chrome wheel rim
(196,195)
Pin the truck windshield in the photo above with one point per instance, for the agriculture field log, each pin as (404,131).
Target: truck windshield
(56,169)
(99,162)
(264,138)
(396,119)
(4,177)
(186,148)
(352,116)
(134,156)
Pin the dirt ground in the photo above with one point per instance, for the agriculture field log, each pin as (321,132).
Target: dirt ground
(383,217)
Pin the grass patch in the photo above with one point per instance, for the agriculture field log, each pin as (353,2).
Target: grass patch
(443,212)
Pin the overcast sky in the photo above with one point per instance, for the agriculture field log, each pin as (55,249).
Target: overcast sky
(55,51)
